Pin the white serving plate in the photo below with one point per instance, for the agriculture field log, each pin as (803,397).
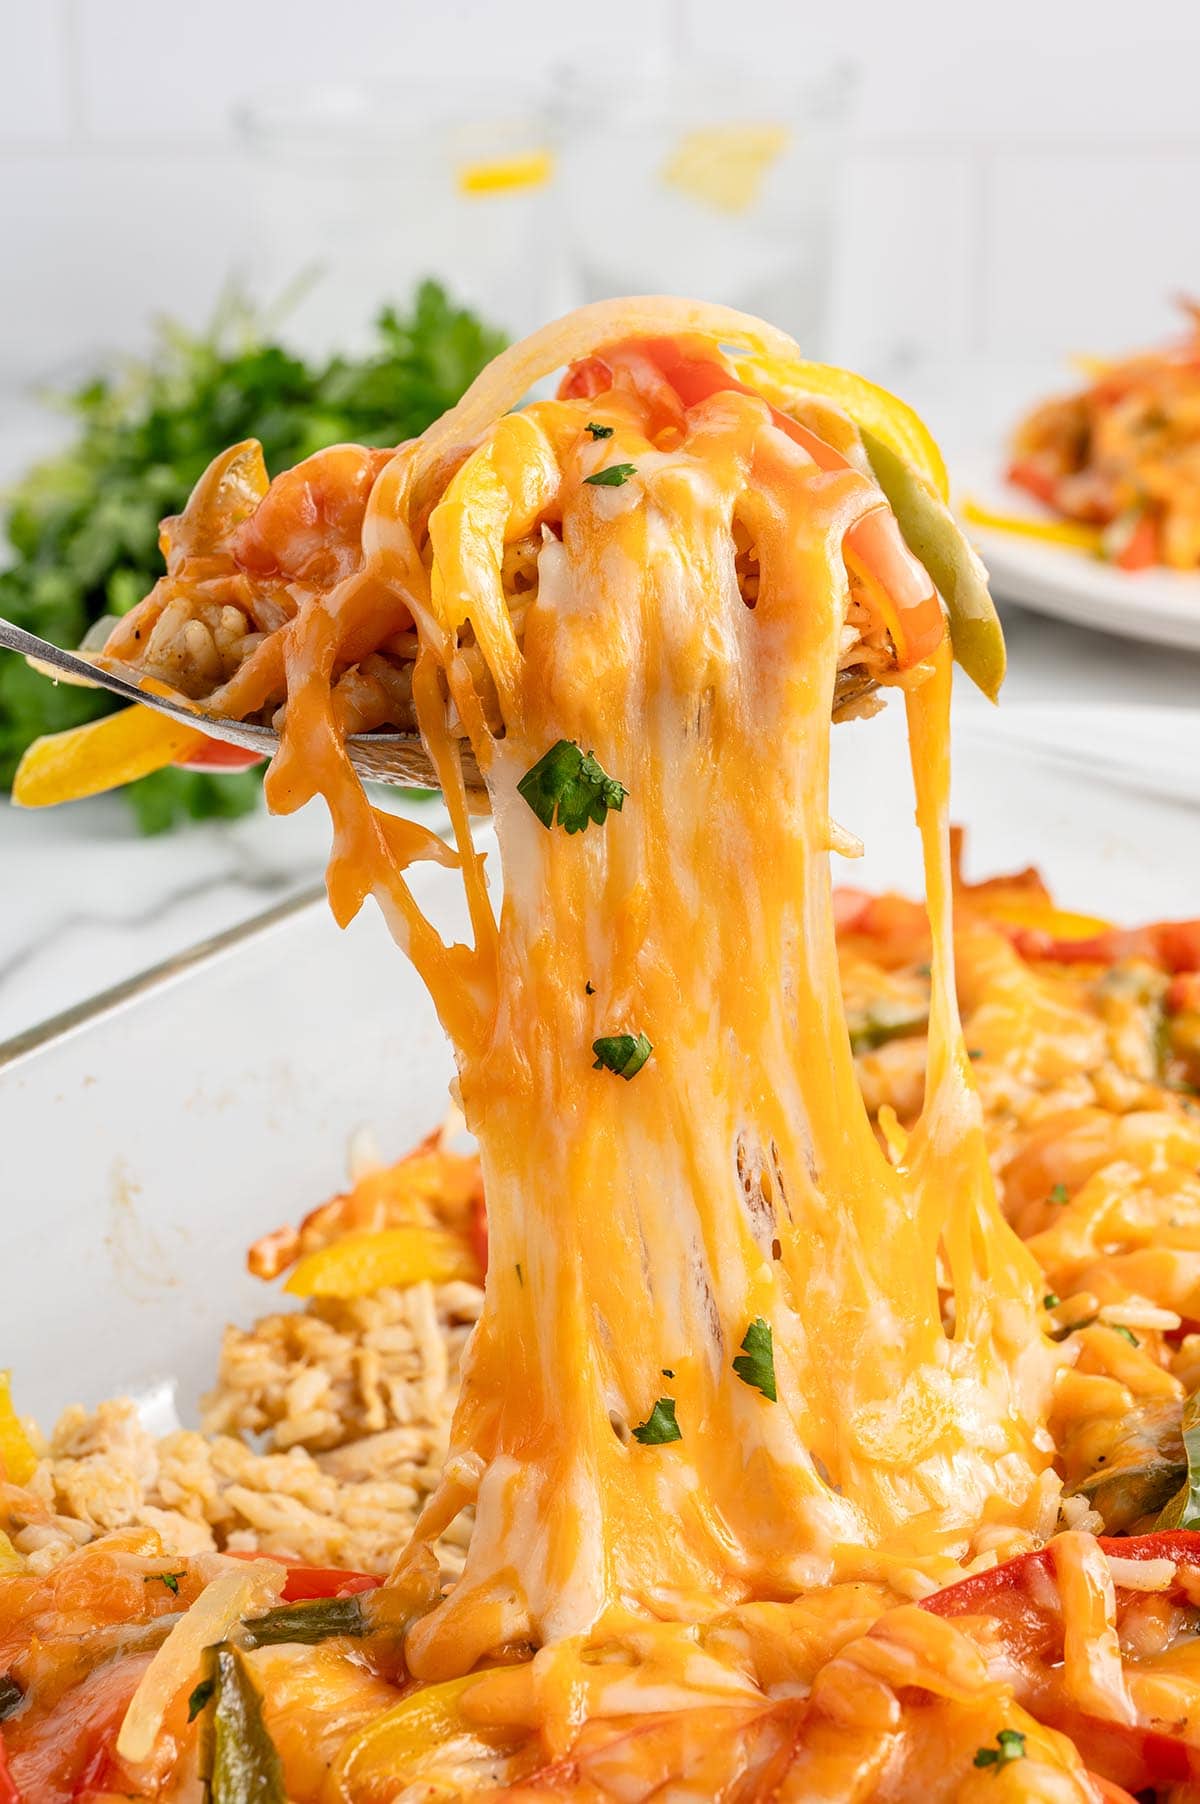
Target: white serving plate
(147,1138)
(1160,607)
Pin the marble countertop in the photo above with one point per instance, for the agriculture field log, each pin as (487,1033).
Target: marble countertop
(87,901)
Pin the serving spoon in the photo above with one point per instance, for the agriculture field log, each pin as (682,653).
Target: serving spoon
(398,758)
(380,757)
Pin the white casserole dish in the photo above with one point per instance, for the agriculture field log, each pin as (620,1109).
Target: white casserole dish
(148,1137)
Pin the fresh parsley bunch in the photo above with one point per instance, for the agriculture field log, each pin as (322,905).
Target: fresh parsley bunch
(83,526)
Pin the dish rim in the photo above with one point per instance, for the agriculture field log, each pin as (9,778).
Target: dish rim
(64,1023)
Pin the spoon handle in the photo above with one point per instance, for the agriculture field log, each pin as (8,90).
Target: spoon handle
(15,638)
(385,757)
(53,657)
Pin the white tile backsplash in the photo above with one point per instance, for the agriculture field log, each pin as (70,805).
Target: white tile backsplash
(1086,250)
(1022,180)
(173,68)
(940,70)
(35,72)
(97,245)
(905,285)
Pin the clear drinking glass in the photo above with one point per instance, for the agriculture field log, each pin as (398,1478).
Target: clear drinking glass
(702,181)
(369,187)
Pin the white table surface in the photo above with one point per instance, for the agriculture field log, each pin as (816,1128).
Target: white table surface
(85,901)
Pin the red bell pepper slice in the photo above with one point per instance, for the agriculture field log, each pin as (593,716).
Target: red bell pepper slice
(1178,944)
(586,379)
(1141,548)
(1130,1756)
(973,1596)
(1025,473)
(325,1581)
(217,754)
(8,1787)
(1175,945)
(304,1582)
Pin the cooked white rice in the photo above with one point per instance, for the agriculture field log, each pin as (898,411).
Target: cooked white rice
(350,1404)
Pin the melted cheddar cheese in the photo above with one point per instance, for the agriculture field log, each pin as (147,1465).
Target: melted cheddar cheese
(762,1363)
(639,1228)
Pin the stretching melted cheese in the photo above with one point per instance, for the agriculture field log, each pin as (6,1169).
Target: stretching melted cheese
(762,1371)
(638,1228)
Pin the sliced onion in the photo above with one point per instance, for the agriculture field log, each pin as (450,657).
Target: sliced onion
(509,377)
(98,634)
(248,1590)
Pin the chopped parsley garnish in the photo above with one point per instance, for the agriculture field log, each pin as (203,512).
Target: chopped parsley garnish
(1051,1300)
(667,1372)
(1060,1194)
(1126,1333)
(974,1052)
(660,1425)
(169,1579)
(623,1053)
(598,431)
(613,477)
(589,989)
(569,785)
(1010,1746)
(755,1365)
(200,1697)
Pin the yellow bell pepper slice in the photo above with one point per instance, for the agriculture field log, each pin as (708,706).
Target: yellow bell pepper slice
(104,754)
(911,471)
(356,1265)
(871,408)
(1074,533)
(1043,917)
(395,1745)
(17,1458)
